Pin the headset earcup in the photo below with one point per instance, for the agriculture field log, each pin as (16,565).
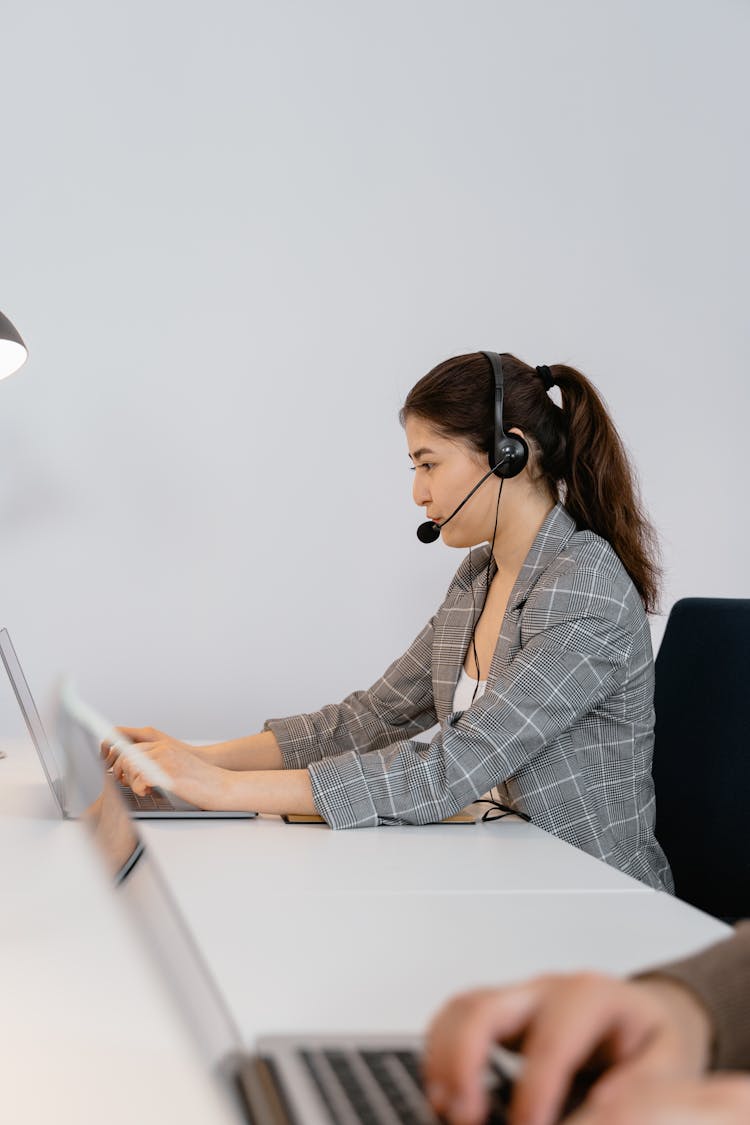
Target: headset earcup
(513,453)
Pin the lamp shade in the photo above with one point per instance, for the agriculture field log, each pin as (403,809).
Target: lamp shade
(13,351)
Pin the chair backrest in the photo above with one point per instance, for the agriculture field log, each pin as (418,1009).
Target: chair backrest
(702,752)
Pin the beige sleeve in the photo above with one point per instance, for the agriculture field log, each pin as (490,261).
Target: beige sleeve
(720,978)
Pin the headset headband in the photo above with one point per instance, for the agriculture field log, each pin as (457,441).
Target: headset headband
(508,454)
(496,364)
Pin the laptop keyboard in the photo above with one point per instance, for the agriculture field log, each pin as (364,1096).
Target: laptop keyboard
(382,1087)
(151,802)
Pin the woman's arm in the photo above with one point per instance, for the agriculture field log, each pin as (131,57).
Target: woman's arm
(176,768)
(254,752)
(270,791)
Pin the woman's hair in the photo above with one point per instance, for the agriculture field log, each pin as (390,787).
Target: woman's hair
(576,452)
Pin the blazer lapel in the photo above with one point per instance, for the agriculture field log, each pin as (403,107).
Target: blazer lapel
(549,542)
(455,621)
(453,630)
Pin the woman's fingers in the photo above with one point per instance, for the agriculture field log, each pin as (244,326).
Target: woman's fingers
(139,784)
(110,749)
(128,769)
(142,734)
(171,766)
(118,770)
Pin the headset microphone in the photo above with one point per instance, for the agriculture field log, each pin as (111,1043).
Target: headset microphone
(428,532)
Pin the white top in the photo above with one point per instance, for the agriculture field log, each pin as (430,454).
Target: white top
(465,688)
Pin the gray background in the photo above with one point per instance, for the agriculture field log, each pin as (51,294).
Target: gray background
(234,235)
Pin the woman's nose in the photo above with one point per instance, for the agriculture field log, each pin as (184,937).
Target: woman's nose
(420,493)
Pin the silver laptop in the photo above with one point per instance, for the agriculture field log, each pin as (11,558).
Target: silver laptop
(67,779)
(351,1080)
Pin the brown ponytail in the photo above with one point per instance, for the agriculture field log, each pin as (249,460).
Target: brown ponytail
(576,450)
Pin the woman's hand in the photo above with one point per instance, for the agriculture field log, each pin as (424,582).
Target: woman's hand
(169,764)
(638,1030)
(720,1099)
(111,751)
(253,752)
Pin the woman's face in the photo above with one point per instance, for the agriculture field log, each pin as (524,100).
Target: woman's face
(445,470)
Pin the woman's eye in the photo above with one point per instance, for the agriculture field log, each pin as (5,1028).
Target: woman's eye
(424,465)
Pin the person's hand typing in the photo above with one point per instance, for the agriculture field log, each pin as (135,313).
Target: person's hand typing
(155,759)
(111,751)
(634,1031)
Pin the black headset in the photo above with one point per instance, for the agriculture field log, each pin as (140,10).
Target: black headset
(509,452)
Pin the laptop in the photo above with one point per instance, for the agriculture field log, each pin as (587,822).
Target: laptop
(67,778)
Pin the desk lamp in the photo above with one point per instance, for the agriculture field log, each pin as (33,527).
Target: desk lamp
(13,351)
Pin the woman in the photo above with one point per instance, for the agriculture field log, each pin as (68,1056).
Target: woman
(538,664)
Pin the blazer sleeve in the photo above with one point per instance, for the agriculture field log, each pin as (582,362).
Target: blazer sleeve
(720,978)
(577,656)
(398,706)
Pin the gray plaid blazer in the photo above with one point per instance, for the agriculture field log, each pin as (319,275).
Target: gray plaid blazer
(565,727)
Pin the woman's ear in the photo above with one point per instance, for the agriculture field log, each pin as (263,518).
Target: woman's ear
(531,468)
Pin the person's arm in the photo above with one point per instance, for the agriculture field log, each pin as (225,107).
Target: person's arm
(719,978)
(576,658)
(668,1025)
(174,767)
(254,752)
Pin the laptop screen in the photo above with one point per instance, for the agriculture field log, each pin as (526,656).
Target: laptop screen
(50,764)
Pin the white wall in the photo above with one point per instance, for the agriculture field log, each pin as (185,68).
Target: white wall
(235,234)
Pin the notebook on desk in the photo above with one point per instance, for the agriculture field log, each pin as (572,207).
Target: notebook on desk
(314,818)
(58,765)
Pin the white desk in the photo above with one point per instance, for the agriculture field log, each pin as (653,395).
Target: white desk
(266,855)
(386,962)
(303,928)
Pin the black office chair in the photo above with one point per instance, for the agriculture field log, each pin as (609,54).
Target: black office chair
(702,753)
